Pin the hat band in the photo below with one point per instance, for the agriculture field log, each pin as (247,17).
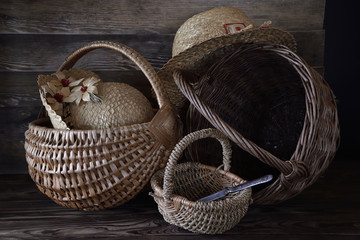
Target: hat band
(266,24)
(231,28)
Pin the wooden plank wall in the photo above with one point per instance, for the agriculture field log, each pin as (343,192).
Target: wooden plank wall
(36,36)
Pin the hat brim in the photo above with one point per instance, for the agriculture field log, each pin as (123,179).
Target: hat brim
(61,122)
(56,120)
(199,57)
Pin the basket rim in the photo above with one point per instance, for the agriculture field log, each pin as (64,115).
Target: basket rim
(165,127)
(178,199)
(36,124)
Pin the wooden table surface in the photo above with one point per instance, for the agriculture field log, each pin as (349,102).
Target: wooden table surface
(327,210)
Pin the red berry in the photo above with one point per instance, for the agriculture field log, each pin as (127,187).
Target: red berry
(59,97)
(65,82)
(84,88)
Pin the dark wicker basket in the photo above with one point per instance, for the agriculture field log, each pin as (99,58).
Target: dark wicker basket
(273,106)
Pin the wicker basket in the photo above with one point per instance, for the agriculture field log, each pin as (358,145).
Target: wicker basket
(103,168)
(288,123)
(178,186)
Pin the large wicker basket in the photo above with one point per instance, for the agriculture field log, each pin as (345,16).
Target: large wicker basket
(178,187)
(288,123)
(101,168)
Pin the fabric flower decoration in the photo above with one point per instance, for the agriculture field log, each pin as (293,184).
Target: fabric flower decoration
(63,81)
(57,98)
(55,85)
(55,90)
(59,90)
(86,92)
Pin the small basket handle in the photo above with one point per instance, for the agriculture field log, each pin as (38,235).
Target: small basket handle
(263,155)
(134,56)
(168,186)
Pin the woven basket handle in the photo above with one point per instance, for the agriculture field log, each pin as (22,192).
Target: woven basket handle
(134,56)
(235,136)
(182,145)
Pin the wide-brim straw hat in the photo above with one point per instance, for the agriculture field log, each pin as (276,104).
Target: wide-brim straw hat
(204,33)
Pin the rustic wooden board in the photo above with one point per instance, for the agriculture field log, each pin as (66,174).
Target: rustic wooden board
(14,83)
(326,210)
(15,120)
(12,156)
(38,53)
(36,36)
(20,104)
(139,17)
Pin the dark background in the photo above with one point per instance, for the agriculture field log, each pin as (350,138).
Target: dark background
(35,37)
(342,67)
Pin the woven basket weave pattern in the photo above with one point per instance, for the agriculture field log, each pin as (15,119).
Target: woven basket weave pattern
(178,186)
(270,111)
(205,26)
(103,168)
(318,141)
(76,165)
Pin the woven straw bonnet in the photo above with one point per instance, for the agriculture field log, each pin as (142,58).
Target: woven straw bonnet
(57,121)
(204,33)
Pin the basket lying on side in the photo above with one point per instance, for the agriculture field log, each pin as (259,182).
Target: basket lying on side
(289,123)
(178,187)
(101,168)
(260,94)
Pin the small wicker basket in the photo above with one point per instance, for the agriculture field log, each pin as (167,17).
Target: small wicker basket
(178,186)
(261,113)
(101,168)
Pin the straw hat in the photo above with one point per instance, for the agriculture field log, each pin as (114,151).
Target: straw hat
(121,105)
(58,118)
(107,104)
(204,33)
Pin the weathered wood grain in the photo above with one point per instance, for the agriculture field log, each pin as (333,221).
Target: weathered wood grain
(14,121)
(14,83)
(12,156)
(139,17)
(38,53)
(326,210)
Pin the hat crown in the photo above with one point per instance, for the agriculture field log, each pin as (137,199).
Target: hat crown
(210,24)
